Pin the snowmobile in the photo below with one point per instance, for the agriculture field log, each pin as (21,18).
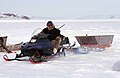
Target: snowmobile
(40,49)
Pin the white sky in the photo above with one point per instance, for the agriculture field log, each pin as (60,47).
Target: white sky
(60,8)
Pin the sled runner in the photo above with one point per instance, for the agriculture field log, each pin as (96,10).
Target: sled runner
(100,42)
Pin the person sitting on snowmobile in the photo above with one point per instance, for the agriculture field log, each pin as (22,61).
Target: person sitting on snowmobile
(54,35)
(46,43)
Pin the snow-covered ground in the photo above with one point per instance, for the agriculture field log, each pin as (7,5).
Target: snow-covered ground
(105,64)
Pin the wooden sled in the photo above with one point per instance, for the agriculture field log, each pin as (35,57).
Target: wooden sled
(3,40)
(95,42)
(10,47)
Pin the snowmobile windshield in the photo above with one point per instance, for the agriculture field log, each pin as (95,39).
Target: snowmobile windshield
(36,31)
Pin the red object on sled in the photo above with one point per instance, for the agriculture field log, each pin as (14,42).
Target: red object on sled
(100,41)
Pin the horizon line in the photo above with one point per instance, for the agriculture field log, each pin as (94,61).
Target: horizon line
(65,20)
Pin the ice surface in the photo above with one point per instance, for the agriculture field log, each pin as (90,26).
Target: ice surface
(105,64)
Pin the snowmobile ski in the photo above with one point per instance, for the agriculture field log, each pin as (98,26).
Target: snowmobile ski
(5,57)
(38,61)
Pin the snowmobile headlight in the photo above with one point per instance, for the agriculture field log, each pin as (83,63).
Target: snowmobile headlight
(33,40)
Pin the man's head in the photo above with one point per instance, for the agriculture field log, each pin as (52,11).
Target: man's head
(50,25)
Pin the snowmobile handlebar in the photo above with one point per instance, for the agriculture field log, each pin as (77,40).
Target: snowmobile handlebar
(40,35)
